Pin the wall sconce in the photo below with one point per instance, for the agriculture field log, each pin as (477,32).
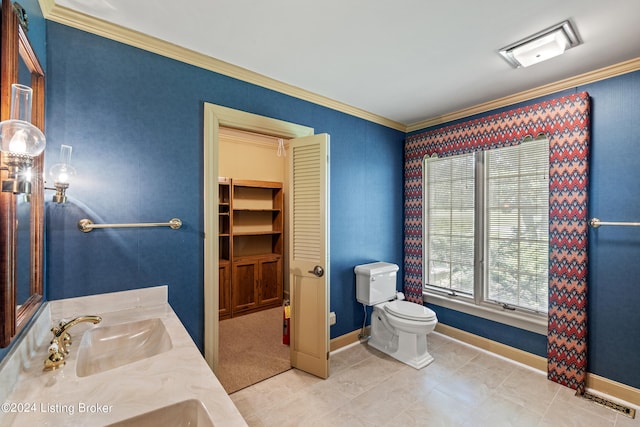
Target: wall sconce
(20,141)
(546,44)
(62,173)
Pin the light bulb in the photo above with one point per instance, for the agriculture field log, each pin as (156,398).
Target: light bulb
(62,173)
(18,143)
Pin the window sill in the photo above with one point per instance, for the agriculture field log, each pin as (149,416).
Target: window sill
(526,321)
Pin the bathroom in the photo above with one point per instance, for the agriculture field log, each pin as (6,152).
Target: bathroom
(134,120)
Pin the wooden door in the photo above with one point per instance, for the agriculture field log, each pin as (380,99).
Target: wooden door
(308,253)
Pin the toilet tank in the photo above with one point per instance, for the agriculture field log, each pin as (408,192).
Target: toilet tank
(375,282)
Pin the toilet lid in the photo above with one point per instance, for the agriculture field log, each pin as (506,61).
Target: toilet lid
(410,311)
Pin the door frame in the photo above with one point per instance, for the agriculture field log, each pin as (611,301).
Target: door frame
(214,117)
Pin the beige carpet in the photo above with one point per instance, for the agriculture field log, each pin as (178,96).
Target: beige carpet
(251,349)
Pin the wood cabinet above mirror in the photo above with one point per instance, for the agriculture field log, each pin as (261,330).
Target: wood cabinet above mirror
(16,52)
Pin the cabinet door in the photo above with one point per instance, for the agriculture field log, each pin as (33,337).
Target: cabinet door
(271,281)
(224,292)
(244,292)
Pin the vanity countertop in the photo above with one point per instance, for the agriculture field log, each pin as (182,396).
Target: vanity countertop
(31,396)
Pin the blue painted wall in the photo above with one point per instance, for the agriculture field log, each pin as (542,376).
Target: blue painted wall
(135,122)
(614,272)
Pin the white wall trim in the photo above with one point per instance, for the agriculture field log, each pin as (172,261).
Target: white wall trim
(62,15)
(529,359)
(569,83)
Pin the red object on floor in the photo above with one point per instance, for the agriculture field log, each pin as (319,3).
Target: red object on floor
(286,324)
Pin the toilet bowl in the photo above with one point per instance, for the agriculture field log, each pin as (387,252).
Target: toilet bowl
(400,329)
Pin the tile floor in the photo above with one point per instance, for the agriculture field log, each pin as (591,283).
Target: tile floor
(464,386)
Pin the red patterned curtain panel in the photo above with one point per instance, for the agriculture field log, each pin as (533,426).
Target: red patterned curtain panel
(565,122)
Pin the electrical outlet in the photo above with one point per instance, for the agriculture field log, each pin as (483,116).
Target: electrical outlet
(332,318)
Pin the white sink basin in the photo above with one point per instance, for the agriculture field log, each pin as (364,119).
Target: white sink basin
(188,413)
(110,347)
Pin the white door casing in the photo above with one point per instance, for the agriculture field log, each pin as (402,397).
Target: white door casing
(214,117)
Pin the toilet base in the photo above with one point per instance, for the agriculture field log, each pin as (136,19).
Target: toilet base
(415,361)
(407,347)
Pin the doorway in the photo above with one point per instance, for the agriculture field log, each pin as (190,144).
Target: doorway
(216,117)
(252,284)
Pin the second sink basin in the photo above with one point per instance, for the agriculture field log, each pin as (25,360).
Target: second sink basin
(110,347)
(189,413)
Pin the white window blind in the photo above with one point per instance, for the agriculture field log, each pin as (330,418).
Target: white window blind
(450,210)
(517,210)
(486,227)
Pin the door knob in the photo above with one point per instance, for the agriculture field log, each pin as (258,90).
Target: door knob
(318,271)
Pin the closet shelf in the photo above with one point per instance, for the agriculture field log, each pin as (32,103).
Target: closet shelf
(256,233)
(255,210)
(257,184)
(244,258)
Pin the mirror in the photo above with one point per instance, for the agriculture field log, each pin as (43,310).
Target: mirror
(21,216)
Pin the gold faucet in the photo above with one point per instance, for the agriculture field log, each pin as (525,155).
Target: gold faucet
(62,339)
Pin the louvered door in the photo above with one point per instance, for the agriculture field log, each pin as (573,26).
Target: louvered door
(308,253)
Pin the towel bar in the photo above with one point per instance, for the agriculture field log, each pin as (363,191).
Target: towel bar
(86,225)
(596,222)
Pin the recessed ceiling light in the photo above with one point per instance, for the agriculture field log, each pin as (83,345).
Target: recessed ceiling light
(541,46)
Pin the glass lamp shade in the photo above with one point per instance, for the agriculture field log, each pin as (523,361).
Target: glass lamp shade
(62,173)
(17,135)
(21,138)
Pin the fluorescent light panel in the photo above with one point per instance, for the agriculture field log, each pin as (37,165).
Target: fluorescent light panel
(546,44)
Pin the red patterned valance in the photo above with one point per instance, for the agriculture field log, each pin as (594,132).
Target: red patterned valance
(565,122)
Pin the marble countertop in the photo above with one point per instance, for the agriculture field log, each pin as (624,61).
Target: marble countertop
(31,396)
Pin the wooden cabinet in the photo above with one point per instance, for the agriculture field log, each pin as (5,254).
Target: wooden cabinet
(224,218)
(254,245)
(270,286)
(224,247)
(244,285)
(224,291)
(256,283)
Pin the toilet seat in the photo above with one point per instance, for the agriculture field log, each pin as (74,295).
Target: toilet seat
(410,311)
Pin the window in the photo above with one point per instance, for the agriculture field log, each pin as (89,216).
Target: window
(517,218)
(486,230)
(450,213)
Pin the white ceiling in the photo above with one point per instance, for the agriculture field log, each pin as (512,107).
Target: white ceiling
(406,60)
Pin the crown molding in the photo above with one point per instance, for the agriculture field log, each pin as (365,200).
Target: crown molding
(569,83)
(62,15)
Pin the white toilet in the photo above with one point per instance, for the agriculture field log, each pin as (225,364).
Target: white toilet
(398,328)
